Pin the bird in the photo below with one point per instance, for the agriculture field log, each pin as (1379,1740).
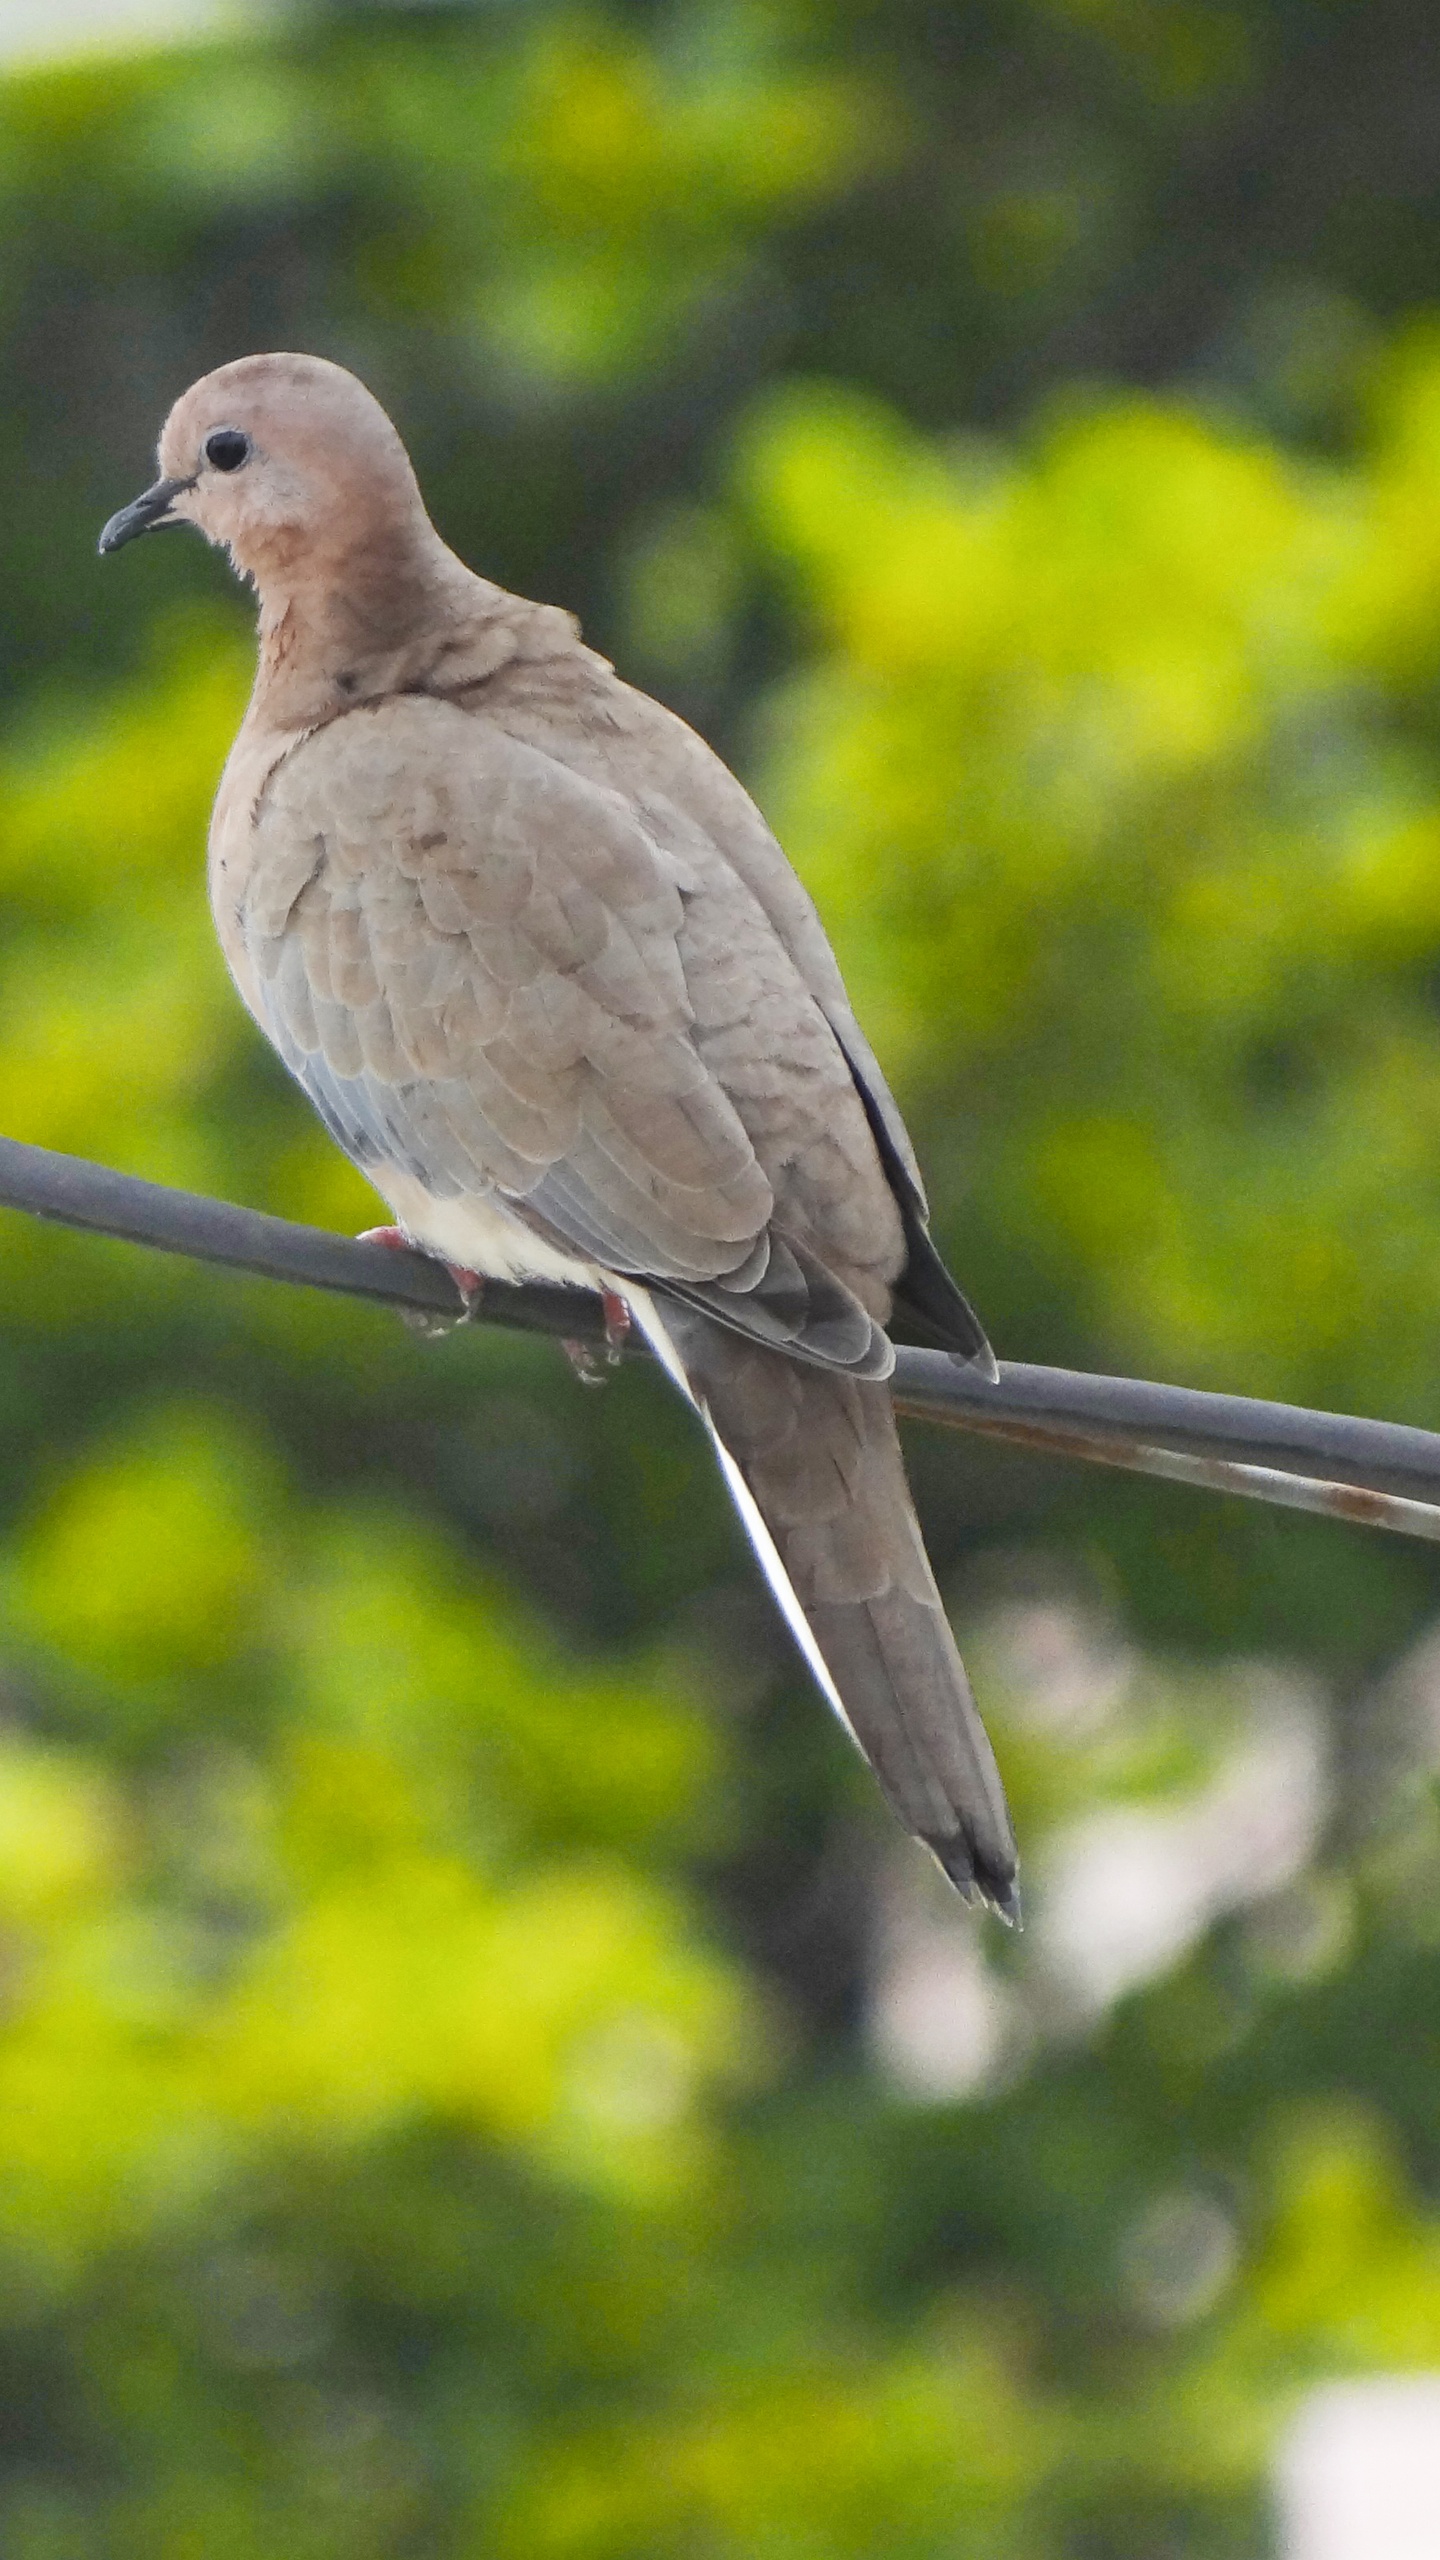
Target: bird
(546,975)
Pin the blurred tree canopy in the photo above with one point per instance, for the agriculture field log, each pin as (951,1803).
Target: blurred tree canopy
(477,2074)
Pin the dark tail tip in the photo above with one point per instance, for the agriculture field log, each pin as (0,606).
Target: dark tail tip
(974,1882)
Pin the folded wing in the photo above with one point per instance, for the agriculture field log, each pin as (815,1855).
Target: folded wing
(487,972)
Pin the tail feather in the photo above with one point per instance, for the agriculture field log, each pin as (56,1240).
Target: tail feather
(813,1462)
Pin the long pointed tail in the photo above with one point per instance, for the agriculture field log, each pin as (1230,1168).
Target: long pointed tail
(813,1461)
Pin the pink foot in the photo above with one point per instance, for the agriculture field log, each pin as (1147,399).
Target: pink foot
(617,1324)
(581,1355)
(582,1360)
(469,1283)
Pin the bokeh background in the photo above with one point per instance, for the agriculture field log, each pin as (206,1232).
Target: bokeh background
(480,2078)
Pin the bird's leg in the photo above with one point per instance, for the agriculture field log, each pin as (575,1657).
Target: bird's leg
(470,1284)
(617,1325)
(581,1355)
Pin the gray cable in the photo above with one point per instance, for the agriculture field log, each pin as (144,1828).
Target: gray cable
(1384,1473)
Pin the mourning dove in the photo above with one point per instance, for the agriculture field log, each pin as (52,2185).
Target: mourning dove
(548,978)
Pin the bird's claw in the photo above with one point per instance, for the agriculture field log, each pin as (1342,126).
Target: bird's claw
(589,1366)
(581,1357)
(432,1322)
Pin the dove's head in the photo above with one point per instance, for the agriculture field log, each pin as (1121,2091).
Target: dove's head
(291,466)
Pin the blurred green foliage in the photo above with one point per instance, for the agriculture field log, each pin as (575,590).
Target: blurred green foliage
(477,2074)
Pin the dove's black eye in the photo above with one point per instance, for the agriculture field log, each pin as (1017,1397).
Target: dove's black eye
(227,448)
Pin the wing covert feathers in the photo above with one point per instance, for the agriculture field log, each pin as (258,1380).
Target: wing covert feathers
(488,972)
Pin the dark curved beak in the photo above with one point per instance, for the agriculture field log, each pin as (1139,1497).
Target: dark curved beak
(144,514)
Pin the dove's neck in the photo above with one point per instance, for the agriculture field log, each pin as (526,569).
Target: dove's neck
(373,614)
